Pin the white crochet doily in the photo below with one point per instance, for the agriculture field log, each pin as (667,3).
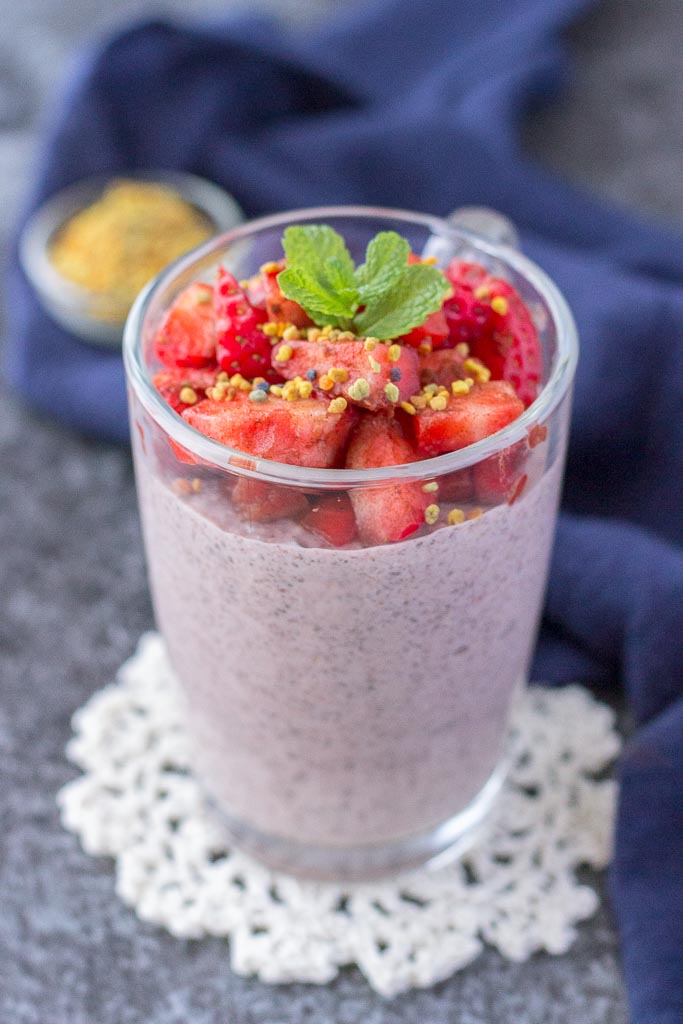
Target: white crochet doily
(515,890)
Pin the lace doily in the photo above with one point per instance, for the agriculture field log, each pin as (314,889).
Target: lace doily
(515,890)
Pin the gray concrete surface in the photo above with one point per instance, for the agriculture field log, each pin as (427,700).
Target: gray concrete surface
(73,600)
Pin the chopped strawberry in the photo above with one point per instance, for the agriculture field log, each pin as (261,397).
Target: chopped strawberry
(435,331)
(170,384)
(241,347)
(458,486)
(332,518)
(187,337)
(279,308)
(374,370)
(489,314)
(262,502)
(468,317)
(388,513)
(467,418)
(442,367)
(300,433)
(497,478)
(512,351)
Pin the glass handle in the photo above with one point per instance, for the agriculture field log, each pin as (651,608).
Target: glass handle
(487,223)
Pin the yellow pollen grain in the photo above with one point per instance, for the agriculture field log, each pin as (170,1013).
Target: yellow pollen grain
(429,261)
(429,487)
(188,395)
(313,333)
(269,328)
(275,389)
(431,514)
(370,344)
(327,330)
(337,405)
(394,353)
(223,376)
(359,390)
(482,292)
(456,516)
(462,349)
(500,305)
(345,336)
(196,485)
(284,353)
(460,387)
(374,365)
(481,373)
(271,267)
(430,389)
(409,408)
(291,333)
(326,382)
(424,348)
(438,403)
(392,392)
(305,389)
(339,374)
(419,401)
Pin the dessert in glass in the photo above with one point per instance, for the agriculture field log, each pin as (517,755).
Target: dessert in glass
(349,428)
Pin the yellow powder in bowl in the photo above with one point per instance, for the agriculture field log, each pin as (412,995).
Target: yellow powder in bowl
(113,247)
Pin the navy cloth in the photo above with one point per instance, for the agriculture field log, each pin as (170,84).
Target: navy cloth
(417,105)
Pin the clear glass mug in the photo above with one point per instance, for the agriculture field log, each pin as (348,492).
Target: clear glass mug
(348,706)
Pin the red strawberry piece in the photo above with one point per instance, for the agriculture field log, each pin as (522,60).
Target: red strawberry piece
(467,316)
(300,433)
(171,383)
(457,487)
(512,351)
(186,337)
(435,331)
(315,359)
(502,333)
(262,502)
(333,519)
(497,478)
(387,513)
(279,308)
(442,367)
(466,419)
(241,346)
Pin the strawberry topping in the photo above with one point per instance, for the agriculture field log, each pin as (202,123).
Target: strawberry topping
(241,346)
(187,337)
(389,513)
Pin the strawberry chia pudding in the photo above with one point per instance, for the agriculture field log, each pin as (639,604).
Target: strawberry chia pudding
(348,473)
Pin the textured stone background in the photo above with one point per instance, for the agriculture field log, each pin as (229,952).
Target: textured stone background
(73,599)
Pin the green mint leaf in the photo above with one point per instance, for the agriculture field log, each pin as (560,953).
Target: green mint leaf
(385,260)
(311,246)
(320,274)
(323,304)
(418,292)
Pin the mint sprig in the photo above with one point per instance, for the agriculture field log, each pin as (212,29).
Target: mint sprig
(393,297)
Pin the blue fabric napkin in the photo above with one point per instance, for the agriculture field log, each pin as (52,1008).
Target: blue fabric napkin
(418,105)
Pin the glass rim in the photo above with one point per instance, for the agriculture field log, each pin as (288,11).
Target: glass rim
(215,454)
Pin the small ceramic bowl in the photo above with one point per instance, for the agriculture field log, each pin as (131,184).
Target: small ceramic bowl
(69,304)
